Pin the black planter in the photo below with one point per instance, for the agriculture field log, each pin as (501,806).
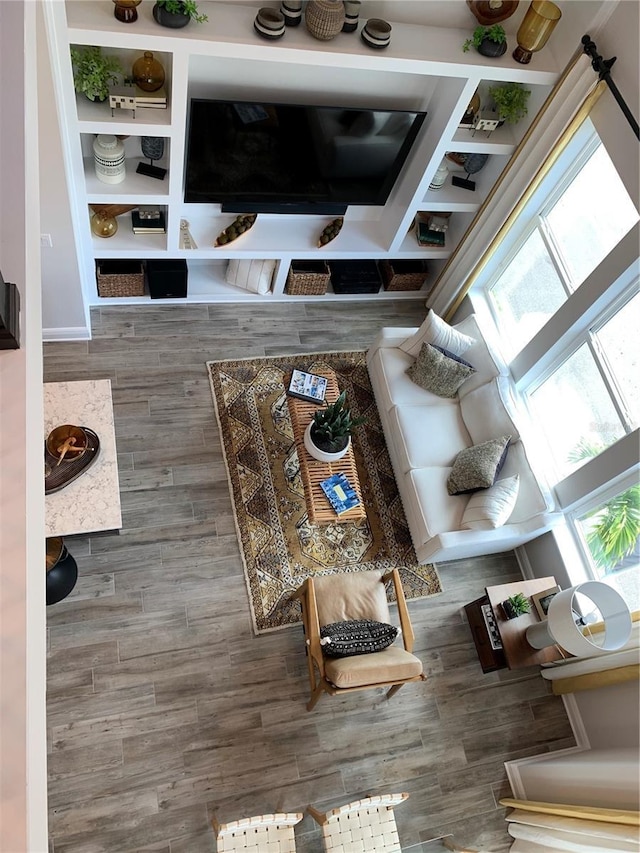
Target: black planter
(492,48)
(173,20)
(62,578)
(508,610)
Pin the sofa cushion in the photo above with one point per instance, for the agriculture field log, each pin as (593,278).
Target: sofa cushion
(481,355)
(432,509)
(477,467)
(439,371)
(394,663)
(532,499)
(356,637)
(351,595)
(422,436)
(434,330)
(489,410)
(491,507)
(393,386)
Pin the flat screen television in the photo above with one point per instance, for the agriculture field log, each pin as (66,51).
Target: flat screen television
(291,158)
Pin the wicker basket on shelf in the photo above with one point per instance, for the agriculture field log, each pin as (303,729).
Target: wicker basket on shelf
(120,278)
(404,275)
(307,278)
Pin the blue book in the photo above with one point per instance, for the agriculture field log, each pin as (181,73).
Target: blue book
(341,494)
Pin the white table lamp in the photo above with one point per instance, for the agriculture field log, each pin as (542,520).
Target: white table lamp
(560,627)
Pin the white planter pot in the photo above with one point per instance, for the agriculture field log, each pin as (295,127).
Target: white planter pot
(321,455)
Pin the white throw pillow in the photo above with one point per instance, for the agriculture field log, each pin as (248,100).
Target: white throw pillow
(251,275)
(491,507)
(490,410)
(434,330)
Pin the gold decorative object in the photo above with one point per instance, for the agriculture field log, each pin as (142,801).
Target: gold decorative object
(331,232)
(103,220)
(66,439)
(125,10)
(535,29)
(238,227)
(148,73)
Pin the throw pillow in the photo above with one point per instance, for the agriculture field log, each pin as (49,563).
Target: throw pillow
(434,330)
(356,637)
(254,276)
(439,371)
(491,507)
(477,467)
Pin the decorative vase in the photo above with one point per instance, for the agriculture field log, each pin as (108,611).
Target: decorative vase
(103,225)
(108,158)
(351,13)
(269,23)
(322,455)
(173,20)
(440,176)
(536,27)
(376,33)
(125,10)
(490,12)
(492,48)
(292,12)
(324,18)
(148,73)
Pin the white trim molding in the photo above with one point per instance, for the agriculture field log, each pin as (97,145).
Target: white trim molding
(71,333)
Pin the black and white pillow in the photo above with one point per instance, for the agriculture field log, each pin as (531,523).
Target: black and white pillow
(356,637)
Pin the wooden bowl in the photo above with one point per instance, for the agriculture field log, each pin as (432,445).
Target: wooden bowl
(60,438)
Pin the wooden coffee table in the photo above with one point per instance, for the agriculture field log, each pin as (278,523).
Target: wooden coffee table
(313,472)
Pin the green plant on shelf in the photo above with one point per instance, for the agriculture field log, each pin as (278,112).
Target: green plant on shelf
(94,72)
(511,101)
(493,33)
(183,7)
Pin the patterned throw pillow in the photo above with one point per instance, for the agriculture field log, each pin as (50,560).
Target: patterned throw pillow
(356,637)
(477,467)
(439,371)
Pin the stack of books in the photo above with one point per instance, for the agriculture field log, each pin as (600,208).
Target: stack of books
(340,493)
(148,221)
(151,100)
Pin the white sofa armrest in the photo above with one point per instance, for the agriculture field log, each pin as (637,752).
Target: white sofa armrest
(390,336)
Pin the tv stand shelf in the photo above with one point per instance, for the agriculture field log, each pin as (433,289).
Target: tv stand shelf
(423,69)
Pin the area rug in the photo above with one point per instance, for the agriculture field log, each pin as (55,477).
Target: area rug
(280,547)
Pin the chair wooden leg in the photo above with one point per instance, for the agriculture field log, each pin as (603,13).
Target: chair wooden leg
(315,695)
(393,690)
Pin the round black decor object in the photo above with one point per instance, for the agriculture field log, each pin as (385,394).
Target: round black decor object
(62,578)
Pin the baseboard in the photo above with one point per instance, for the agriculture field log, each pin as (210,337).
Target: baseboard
(514,776)
(70,333)
(523,561)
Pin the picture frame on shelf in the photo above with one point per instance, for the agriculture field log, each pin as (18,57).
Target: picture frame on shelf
(541,600)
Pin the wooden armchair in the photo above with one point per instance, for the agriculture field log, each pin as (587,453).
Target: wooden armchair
(270,832)
(355,596)
(364,825)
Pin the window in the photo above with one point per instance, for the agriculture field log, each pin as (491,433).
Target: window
(562,293)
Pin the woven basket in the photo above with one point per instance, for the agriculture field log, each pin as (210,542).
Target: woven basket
(307,278)
(403,275)
(324,18)
(120,278)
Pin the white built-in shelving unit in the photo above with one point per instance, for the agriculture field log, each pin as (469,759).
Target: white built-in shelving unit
(424,68)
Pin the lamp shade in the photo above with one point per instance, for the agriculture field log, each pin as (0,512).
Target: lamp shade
(535,29)
(560,626)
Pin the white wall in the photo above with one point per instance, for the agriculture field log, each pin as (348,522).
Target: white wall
(23,748)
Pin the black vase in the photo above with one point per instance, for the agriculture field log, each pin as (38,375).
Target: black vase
(62,578)
(492,48)
(173,20)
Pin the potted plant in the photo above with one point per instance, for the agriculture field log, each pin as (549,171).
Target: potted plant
(511,101)
(516,605)
(489,41)
(177,13)
(93,72)
(328,436)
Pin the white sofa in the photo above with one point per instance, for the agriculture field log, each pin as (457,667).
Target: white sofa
(425,432)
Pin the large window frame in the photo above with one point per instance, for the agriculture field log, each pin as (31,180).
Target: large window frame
(610,285)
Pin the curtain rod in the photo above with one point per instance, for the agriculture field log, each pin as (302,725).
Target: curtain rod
(603,67)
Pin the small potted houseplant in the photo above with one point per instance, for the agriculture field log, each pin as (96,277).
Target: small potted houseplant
(93,72)
(511,101)
(489,41)
(516,605)
(177,13)
(328,436)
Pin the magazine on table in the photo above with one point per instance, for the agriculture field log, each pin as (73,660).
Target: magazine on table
(308,386)
(341,494)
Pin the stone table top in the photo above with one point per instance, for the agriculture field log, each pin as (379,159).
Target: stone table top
(92,502)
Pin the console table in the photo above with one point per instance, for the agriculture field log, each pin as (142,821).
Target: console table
(92,502)
(515,653)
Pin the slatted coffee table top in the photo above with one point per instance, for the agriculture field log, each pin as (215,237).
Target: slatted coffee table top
(313,472)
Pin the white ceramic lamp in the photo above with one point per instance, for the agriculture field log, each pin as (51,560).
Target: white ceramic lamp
(560,626)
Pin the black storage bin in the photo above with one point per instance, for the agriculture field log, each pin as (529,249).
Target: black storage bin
(355,276)
(167,279)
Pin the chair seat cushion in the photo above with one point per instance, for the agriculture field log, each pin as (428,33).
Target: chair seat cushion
(392,665)
(356,637)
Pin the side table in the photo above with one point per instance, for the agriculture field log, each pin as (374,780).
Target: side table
(516,652)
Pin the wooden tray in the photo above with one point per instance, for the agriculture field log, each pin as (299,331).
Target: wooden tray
(56,476)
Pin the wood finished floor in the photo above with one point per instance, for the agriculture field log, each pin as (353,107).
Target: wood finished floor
(164,709)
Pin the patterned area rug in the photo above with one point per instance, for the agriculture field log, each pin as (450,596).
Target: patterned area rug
(279,546)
